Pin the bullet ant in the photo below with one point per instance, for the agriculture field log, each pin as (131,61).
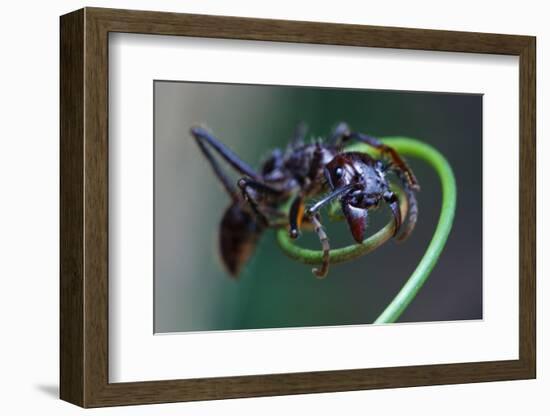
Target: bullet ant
(302,171)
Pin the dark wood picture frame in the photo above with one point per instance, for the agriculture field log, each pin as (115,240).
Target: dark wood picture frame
(84,207)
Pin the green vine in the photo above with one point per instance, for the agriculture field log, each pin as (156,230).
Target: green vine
(406,147)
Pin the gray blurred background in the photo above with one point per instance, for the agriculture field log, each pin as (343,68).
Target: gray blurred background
(192,290)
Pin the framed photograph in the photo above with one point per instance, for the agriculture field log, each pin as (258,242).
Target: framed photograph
(260,207)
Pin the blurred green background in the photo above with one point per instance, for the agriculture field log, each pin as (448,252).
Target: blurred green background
(192,290)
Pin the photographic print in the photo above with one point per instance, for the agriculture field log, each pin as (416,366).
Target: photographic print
(326,207)
(332,197)
(292,207)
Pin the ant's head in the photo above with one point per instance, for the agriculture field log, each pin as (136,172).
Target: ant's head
(357,172)
(359,182)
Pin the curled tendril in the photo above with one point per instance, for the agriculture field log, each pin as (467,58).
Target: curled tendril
(407,147)
(340,255)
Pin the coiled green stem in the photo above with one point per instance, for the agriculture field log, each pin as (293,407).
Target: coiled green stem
(407,147)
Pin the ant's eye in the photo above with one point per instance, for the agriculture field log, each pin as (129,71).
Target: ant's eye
(339,172)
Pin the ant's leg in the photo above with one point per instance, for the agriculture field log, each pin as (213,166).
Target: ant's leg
(412,215)
(313,215)
(323,238)
(297,207)
(393,202)
(296,216)
(203,137)
(224,179)
(342,133)
(338,134)
(258,186)
(251,189)
(397,161)
(312,210)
